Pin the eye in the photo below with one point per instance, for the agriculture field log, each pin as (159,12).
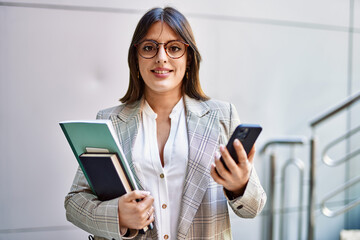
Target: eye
(174,47)
(148,48)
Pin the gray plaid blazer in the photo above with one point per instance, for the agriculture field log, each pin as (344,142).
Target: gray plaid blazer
(204,211)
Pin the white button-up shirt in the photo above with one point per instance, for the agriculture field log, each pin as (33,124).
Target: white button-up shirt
(164,183)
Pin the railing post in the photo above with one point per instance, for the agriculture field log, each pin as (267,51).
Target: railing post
(272,195)
(312,189)
(270,220)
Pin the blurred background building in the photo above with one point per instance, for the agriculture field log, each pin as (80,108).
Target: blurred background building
(287,65)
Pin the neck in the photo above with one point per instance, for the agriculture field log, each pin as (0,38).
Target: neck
(162,103)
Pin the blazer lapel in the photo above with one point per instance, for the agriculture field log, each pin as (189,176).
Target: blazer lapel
(126,124)
(203,133)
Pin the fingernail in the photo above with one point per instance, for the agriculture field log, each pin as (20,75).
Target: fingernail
(222,147)
(237,142)
(217,155)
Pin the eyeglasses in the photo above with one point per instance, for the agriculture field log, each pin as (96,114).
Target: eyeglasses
(149,48)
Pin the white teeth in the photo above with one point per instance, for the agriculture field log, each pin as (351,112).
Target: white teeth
(161,72)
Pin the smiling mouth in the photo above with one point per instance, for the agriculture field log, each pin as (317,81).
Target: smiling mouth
(161,72)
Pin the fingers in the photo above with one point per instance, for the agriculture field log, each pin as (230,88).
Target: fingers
(147,202)
(151,212)
(240,152)
(236,178)
(229,161)
(136,194)
(131,200)
(150,215)
(251,154)
(136,214)
(145,211)
(148,221)
(214,174)
(219,165)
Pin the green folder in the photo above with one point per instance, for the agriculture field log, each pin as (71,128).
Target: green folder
(97,134)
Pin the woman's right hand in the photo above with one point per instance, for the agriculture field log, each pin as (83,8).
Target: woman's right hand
(133,214)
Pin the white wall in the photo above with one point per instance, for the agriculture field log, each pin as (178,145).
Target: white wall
(281,62)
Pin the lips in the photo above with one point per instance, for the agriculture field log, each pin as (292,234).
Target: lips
(161,72)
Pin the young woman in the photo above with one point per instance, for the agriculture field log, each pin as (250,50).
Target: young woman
(171,133)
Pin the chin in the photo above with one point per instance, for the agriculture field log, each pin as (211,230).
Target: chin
(165,89)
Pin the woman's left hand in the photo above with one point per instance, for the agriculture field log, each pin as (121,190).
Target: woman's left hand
(236,178)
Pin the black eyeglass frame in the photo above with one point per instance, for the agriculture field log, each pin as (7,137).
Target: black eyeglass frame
(158,46)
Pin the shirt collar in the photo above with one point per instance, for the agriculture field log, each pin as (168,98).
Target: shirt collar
(175,112)
(178,108)
(148,110)
(197,107)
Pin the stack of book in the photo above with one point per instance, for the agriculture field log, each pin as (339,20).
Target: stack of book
(100,156)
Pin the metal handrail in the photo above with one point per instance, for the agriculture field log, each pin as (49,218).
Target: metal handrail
(297,140)
(332,163)
(313,143)
(289,141)
(299,164)
(332,213)
(332,111)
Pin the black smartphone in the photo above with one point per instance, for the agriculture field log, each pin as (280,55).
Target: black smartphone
(247,135)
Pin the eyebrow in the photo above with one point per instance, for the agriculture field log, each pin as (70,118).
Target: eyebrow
(160,42)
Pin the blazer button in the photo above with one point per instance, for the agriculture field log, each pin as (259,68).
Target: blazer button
(240,207)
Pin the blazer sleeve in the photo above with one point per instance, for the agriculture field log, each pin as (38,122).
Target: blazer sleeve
(253,200)
(85,211)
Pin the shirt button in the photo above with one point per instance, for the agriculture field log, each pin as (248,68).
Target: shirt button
(166,236)
(161,175)
(164,206)
(240,207)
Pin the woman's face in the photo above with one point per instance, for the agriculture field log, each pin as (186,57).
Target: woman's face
(162,74)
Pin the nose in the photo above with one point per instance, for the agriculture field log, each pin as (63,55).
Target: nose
(161,56)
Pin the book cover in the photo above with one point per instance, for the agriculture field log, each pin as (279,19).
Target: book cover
(95,134)
(106,175)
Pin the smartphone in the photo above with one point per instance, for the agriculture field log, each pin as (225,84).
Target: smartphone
(247,135)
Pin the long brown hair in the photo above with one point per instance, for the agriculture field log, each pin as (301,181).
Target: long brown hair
(178,23)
